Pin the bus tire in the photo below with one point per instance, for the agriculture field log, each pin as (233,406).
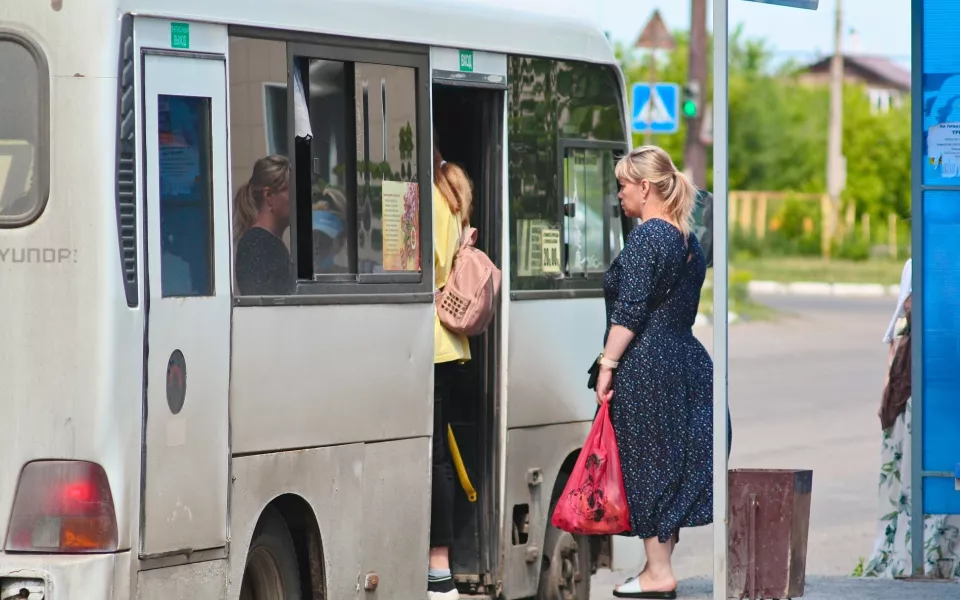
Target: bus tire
(271,572)
(566,565)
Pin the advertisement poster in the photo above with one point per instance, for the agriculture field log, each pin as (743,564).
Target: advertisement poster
(401,226)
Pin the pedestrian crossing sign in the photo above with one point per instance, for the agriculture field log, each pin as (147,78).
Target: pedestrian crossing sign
(657,113)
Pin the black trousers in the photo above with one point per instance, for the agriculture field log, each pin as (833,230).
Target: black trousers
(442,498)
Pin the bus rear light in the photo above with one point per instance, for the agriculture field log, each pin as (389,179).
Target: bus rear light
(63,506)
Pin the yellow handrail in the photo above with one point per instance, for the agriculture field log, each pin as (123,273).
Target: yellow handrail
(461,470)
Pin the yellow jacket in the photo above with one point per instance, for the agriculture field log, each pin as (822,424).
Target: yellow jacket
(447,346)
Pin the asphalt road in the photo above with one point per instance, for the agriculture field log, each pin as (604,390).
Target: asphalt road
(804,393)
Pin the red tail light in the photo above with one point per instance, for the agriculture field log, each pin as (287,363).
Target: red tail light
(63,506)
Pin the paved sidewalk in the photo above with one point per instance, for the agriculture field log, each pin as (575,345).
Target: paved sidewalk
(817,588)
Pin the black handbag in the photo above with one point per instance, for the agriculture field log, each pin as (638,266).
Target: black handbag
(593,373)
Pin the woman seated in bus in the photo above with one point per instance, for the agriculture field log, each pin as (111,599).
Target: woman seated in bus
(261,212)
(452,199)
(661,398)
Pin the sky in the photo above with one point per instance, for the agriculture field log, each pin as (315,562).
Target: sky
(881,27)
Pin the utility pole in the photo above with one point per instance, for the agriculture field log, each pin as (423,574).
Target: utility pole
(836,169)
(695,155)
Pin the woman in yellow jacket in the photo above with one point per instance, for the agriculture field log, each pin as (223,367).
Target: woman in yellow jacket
(452,198)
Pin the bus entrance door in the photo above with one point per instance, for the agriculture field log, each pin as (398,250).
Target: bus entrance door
(184,503)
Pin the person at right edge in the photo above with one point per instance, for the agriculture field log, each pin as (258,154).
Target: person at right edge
(452,198)
(661,398)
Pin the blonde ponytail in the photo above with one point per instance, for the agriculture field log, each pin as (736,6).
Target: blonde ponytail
(244,211)
(680,200)
(271,172)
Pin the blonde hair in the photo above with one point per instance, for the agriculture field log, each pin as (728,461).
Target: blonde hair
(271,172)
(655,165)
(455,185)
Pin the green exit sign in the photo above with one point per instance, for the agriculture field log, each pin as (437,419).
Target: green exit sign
(180,35)
(466,60)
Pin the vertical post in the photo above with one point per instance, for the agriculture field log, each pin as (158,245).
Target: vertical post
(835,163)
(916,329)
(648,137)
(720,309)
(695,159)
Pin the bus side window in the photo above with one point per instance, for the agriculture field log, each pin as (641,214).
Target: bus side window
(347,132)
(566,132)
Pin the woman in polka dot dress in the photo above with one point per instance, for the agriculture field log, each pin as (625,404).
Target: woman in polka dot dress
(656,375)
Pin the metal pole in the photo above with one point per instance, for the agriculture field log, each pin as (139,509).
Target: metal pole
(916,333)
(648,138)
(720,310)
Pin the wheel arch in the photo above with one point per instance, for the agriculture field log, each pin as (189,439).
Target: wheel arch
(304,528)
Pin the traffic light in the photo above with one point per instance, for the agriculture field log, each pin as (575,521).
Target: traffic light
(691,100)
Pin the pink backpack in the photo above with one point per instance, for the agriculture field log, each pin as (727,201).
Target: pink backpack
(468,301)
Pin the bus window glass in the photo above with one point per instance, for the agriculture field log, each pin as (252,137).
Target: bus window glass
(259,138)
(186,196)
(388,238)
(563,206)
(23,152)
(590,190)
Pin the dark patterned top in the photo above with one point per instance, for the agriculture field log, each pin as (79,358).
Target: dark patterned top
(662,407)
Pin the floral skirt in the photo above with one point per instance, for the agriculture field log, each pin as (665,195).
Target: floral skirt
(892,554)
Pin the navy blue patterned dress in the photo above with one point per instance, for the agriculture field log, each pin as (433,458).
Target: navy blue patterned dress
(662,407)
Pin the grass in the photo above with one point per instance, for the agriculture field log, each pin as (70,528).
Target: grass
(795,268)
(739,299)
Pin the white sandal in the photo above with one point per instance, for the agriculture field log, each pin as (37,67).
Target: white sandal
(631,589)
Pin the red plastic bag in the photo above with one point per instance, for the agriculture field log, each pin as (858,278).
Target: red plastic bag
(594,501)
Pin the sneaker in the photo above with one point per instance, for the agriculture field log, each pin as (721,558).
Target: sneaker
(448,595)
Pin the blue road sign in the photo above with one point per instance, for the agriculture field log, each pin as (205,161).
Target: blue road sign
(804,4)
(661,115)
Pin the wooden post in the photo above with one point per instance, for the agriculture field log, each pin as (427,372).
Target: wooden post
(761,222)
(734,204)
(746,214)
(892,235)
(851,218)
(825,240)
(865,226)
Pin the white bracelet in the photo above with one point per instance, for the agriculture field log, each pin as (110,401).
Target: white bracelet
(609,363)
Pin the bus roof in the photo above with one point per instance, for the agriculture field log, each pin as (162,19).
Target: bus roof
(466,24)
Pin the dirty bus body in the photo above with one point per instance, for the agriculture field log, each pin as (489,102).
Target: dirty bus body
(167,434)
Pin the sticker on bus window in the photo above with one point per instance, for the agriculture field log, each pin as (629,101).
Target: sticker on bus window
(400,220)
(550,249)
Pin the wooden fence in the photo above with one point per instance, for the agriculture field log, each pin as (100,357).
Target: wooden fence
(750,213)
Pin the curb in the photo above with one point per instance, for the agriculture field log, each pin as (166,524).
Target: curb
(809,288)
(707,320)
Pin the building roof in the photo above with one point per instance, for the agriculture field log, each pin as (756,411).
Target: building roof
(467,24)
(877,67)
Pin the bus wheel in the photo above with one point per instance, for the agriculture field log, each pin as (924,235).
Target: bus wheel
(271,572)
(566,566)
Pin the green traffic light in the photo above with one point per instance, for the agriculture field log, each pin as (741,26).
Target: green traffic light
(690,108)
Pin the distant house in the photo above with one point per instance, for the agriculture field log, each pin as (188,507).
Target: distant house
(887,82)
